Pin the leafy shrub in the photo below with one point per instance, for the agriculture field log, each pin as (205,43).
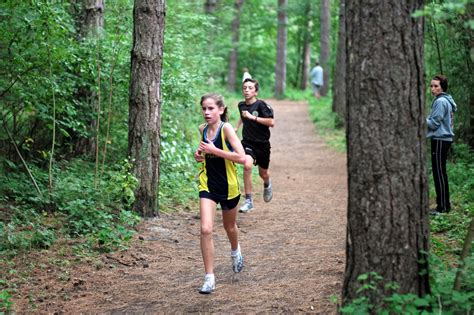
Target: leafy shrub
(442,300)
(5,301)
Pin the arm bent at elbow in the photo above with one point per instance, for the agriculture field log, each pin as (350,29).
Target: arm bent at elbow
(238,156)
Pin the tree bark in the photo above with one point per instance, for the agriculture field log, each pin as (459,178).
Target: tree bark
(280,66)
(93,18)
(145,102)
(210,6)
(325,30)
(466,251)
(233,58)
(306,48)
(339,86)
(89,23)
(387,229)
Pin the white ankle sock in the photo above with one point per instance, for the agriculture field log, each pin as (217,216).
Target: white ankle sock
(235,252)
(209,276)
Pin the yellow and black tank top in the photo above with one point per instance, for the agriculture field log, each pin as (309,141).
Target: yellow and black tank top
(218,176)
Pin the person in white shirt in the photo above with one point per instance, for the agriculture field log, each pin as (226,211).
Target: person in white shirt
(317,80)
(246,74)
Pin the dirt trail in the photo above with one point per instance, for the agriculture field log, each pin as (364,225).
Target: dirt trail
(293,246)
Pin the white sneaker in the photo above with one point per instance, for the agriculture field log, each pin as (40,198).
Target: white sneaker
(237,262)
(267,193)
(247,206)
(209,285)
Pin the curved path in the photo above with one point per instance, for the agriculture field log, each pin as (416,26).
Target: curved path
(294,246)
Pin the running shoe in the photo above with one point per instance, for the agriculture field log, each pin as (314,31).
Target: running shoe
(209,286)
(237,262)
(267,193)
(247,206)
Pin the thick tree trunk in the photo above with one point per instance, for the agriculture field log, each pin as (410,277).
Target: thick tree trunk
(387,229)
(325,30)
(90,24)
(93,18)
(145,102)
(339,86)
(233,58)
(280,66)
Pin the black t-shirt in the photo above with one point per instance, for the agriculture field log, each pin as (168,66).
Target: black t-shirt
(254,131)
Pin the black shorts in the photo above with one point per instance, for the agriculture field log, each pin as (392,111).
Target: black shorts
(260,152)
(225,204)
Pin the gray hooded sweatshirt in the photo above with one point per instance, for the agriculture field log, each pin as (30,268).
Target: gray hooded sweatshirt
(440,121)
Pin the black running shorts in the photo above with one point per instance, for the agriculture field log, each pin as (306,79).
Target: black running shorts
(260,152)
(225,204)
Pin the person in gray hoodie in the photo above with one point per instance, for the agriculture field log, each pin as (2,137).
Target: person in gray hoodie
(440,130)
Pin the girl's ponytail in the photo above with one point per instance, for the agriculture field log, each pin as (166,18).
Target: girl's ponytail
(224,116)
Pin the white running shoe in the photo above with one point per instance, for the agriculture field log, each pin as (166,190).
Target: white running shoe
(247,206)
(237,262)
(209,285)
(267,193)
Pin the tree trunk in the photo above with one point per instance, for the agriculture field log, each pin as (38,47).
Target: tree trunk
(325,29)
(210,6)
(470,131)
(339,86)
(93,18)
(145,102)
(466,252)
(231,82)
(90,24)
(306,48)
(280,66)
(470,128)
(387,229)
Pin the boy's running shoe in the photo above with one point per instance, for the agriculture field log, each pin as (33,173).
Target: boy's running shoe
(247,206)
(237,262)
(267,193)
(209,285)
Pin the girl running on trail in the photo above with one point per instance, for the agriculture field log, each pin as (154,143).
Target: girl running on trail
(219,150)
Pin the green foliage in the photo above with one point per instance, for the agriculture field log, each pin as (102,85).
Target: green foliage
(186,76)
(325,121)
(5,301)
(442,298)
(75,209)
(448,10)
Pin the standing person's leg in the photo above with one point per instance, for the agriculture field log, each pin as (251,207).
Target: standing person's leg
(207,213)
(435,166)
(439,153)
(445,202)
(315,90)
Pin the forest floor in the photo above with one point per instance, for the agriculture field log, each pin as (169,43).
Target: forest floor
(294,247)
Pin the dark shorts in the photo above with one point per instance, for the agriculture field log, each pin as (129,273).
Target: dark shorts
(316,88)
(225,204)
(260,152)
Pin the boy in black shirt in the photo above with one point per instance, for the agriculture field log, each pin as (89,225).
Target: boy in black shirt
(257,118)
